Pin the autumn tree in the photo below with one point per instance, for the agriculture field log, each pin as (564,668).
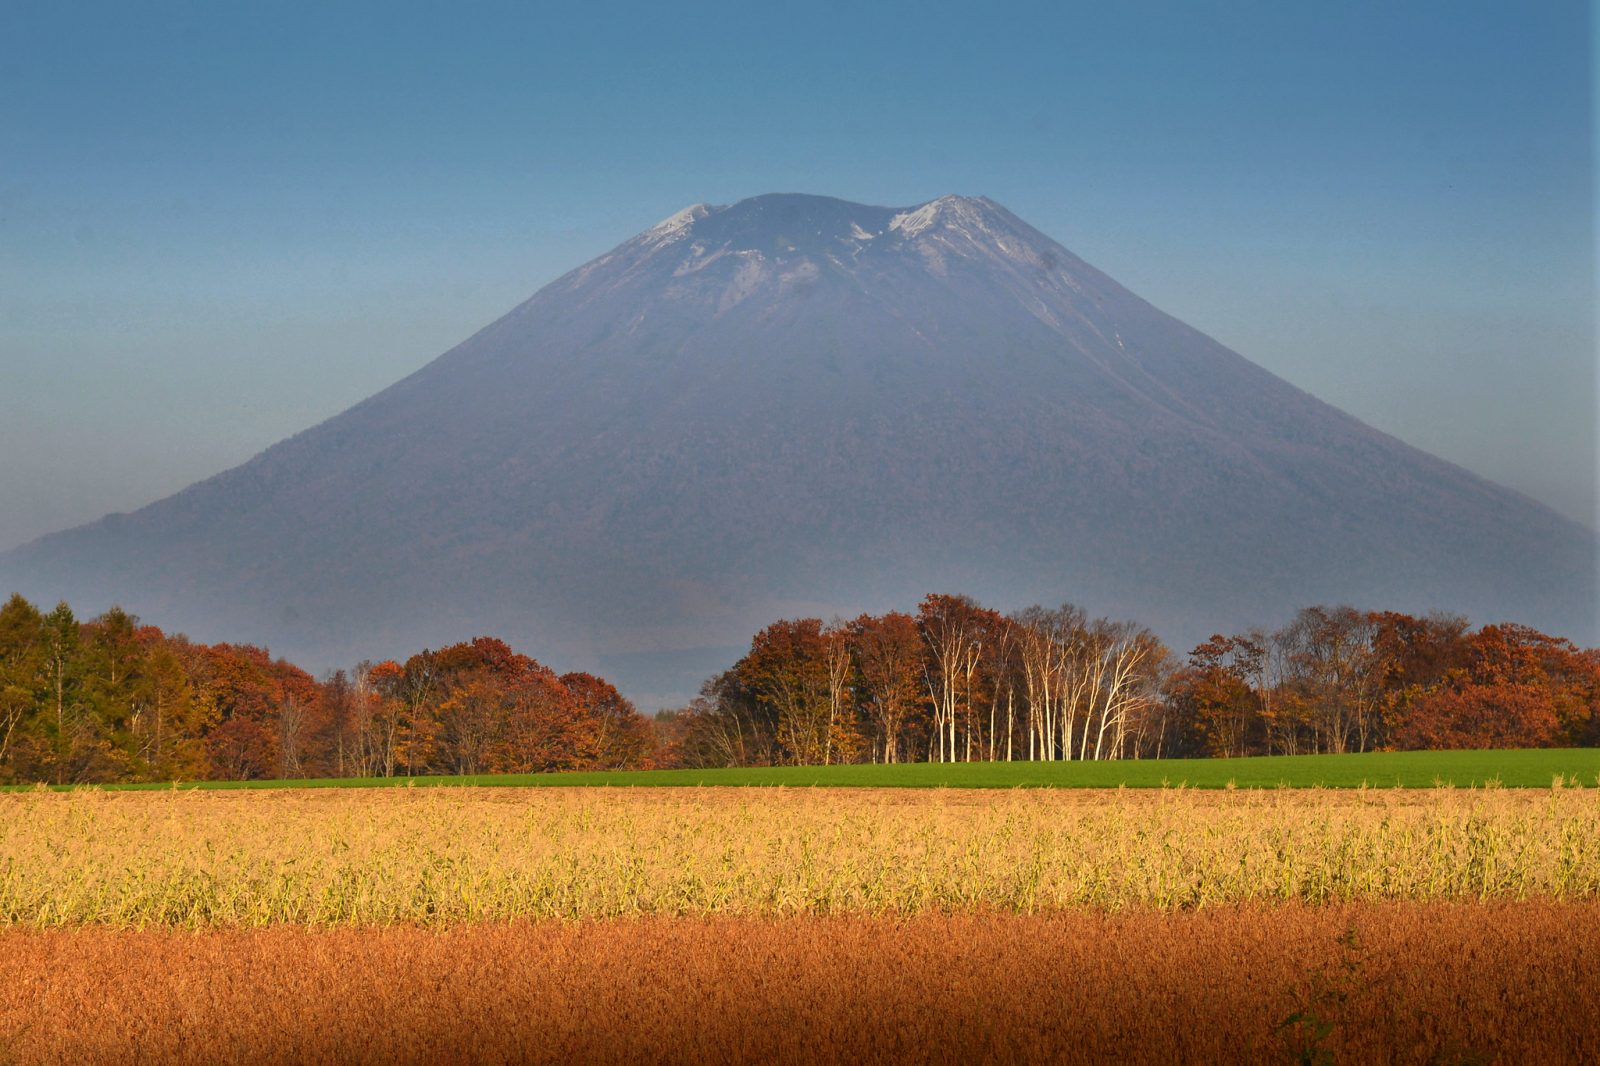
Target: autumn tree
(787,673)
(259,706)
(1480,716)
(1218,706)
(546,728)
(1507,686)
(623,738)
(1046,643)
(1334,676)
(168,719)
(382,725)
(888,661)
(952,630)
(725,725)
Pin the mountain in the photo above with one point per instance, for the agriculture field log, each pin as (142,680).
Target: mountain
(798,404)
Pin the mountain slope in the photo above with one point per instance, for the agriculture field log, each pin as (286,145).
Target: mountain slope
(797,403)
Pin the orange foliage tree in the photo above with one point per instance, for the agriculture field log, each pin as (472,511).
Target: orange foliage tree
(113,700)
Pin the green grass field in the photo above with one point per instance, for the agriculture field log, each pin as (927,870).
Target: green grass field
(1409,769)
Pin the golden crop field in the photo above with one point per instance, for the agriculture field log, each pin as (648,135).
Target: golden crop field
(443,857)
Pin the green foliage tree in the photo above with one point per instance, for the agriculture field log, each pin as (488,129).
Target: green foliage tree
(24,676)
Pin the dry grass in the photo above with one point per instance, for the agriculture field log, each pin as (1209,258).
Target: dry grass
(1435,983)
(368,926)
(442,857)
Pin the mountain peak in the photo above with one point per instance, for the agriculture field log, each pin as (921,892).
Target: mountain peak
(789,223)
(952,208)
(783,245)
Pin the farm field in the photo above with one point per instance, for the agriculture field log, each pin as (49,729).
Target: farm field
(1443,925)
(1373,982)
(450,856)
(1527,768)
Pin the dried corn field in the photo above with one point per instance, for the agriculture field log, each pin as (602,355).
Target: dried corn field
(544,925)
(443,857)
(1396,982)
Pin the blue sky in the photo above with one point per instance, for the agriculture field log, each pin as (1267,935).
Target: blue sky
(220,224)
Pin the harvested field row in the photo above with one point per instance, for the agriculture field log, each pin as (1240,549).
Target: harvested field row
(198,859)
(1419,983)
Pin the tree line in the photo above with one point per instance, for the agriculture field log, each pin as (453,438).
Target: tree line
(1337,679)
(112,699)
(956,681)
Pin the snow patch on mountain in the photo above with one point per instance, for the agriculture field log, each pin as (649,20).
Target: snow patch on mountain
(677,225)
(911,223)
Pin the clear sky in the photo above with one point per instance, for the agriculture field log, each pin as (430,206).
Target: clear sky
(222,223)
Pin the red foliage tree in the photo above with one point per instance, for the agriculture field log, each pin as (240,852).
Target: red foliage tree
(1514,687)
(624,739)
(1480,716)
(888,653)
(1219,709)
(263,709)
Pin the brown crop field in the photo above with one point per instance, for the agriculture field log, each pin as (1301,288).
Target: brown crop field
(427,925)
(1371,982)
